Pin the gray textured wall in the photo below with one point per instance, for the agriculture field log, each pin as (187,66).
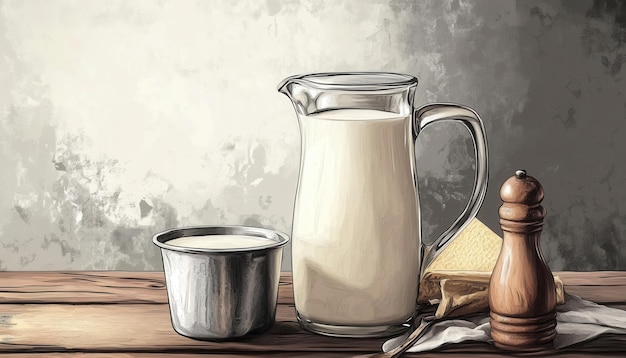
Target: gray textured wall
(120,119)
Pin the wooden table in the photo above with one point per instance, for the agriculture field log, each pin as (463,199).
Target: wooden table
(125,314)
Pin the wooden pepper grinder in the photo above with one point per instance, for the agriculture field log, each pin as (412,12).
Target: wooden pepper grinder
(522,296)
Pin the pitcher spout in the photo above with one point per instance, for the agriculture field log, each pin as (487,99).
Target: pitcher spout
(302,96)
(285,86)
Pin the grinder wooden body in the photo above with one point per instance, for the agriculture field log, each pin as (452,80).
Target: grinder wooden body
(522,297)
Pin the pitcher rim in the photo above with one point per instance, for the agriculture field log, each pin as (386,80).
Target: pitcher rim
(387,80)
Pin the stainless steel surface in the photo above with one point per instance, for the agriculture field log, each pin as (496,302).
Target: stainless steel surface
(220,294)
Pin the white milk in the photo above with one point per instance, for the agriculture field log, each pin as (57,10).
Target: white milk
(220,241)
(356,251)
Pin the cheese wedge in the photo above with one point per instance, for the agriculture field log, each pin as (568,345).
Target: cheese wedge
(476,248)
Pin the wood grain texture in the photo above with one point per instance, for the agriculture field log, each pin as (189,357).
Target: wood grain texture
(280,354)
(136,328)
(143,327)
(124,314)
(82,287)
(149,287)
(169,355)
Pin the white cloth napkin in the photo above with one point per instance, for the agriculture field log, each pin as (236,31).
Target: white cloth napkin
(578,320)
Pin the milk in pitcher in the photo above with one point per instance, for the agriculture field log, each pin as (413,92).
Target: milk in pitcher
(358,247)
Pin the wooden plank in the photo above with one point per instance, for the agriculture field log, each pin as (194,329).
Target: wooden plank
(147,327)
(609,295)
(594,278)
(81,287)
(149,287)
(136,328)
(173,355)
(288,355)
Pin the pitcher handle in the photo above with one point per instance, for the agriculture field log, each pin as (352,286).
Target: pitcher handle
(436,112)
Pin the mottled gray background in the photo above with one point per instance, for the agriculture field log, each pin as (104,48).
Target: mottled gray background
(120,119)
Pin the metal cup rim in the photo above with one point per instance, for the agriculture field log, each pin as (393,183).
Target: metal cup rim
(275,238)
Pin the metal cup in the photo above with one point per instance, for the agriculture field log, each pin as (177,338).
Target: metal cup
(221,294)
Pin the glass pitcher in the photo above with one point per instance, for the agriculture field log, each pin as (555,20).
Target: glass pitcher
(357,252)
